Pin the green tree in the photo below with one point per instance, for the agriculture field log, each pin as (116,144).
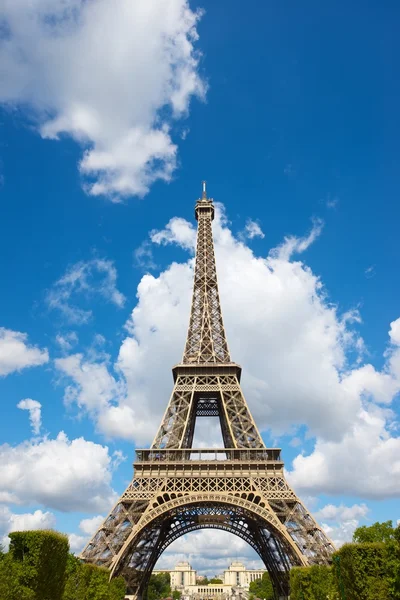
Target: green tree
(392,560)
(262,588)
(313,583)
(215,580)
(159,586)
(378,532)
(360,571)
(176,594)
(99,584)
(89,582)
(74,585)
(11,581)
(117,588)
(389,536)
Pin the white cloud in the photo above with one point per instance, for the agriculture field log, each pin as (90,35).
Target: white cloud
(67,341)
(285,326)
(96,276)
(115,77)
(16,354)
(177,231)
(77,542)
(296,245)
(342,521)
(143,256)
(63,474)
(340,533)
(35,413)
(294,347)
(21,522)
(370,272)
(365,462)
(88,527)
(394,332)
(342,513)
(252,230)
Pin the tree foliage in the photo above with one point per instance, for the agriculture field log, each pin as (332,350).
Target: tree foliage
(39,567)
(11,581)
(262,588)
(312,583)
(89,582)
(369,570)
(215,580)
(159,586)
(361,572)
(393,564)
(378,532)
(41,558)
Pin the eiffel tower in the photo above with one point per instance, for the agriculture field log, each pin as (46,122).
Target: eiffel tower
(176,488)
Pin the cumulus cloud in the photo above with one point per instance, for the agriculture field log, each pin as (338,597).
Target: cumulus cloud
(366,461)
(96,276)
(340,522)
(342,513)
(63,474)
(16,354)
(35,413)
(88,528)
(76,542)
(303,362)
(116,77)
(21,522)
(178,231)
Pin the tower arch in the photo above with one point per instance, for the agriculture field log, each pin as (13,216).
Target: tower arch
(256,525)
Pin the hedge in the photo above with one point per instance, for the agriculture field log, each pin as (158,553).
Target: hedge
(312,583)
(89,582)
(39,567)
(361,570)
(39,558)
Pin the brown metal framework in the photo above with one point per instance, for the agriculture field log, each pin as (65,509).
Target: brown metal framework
(176,489)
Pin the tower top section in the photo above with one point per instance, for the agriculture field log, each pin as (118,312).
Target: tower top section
(204,205)
(206,341)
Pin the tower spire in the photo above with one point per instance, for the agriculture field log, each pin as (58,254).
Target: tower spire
(204,194)
(206,340)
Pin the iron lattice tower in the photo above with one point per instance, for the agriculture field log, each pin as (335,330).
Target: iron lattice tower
(176,489)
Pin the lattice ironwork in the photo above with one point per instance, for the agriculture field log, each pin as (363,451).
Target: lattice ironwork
(176,489)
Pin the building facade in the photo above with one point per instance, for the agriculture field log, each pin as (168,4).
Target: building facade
(236,582)
(237,575)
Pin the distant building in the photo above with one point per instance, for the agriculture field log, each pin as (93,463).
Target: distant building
(238,575)
(236,582)
(182,576)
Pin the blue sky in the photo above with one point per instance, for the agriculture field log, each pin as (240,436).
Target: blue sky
(291,115)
